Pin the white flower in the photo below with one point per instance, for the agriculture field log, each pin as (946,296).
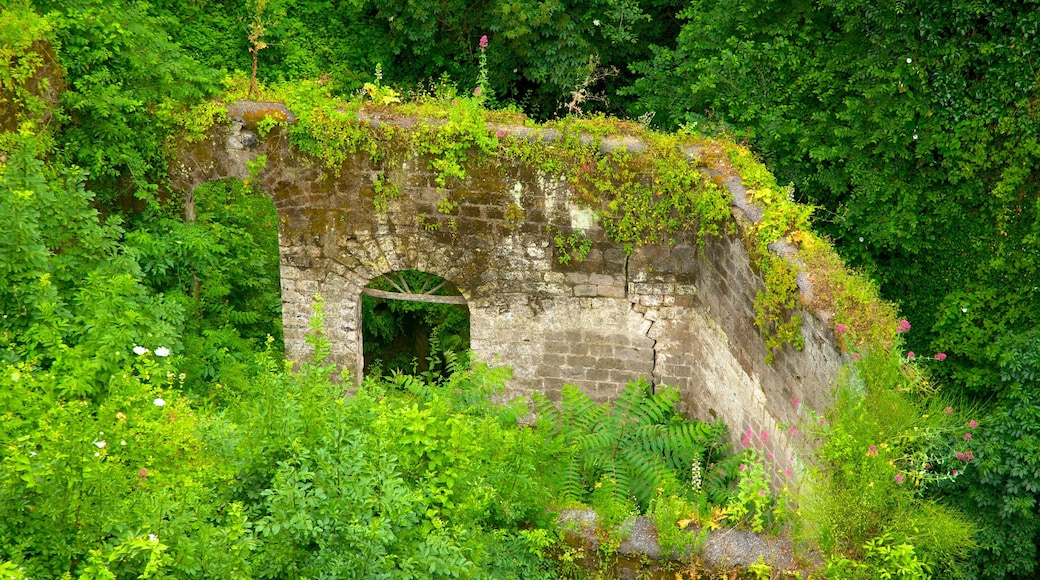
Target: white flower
(909,60)
(915,136)
(140,350)
(159,402)
(122,442)
(162,351)
(153,537)
(100,444)
(595,22)
(964,310)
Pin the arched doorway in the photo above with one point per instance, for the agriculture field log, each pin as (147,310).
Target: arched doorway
(413,322)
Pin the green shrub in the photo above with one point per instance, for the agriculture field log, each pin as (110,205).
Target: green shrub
(887,447)
(633,447)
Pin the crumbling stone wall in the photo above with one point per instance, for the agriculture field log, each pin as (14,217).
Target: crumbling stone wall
(680,315)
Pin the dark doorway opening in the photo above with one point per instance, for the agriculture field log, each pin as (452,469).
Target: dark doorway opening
(414,322)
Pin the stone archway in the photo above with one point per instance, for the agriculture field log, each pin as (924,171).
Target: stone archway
(412,320)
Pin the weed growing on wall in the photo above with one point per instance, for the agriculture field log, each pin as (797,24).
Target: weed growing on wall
(573,247)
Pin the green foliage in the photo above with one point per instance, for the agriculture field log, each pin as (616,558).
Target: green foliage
(291,479)
(23,52)
(452,142)
(886,451)
(671,513)
(120,66)
(401,480)
(650,197)
(631,448)
(753,503)
(73,300)
(881,559)
(862,320)
(1003,490)
(222,269)
(535,57)
(386,191)
(325,127)
(122,487)
(773,307)
(573,247)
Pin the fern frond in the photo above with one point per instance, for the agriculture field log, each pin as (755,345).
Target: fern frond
(628,404)
(578,412)
(648,473)
(573,483)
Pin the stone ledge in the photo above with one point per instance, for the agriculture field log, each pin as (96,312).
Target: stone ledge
(640,551)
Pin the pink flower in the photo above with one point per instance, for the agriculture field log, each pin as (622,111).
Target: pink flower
(969,455)
(743,467)
(477,91)
(954,472)
(745,441)
(794,428)
(927,465)
(961,456)
(142,473)
(483,42)
(841,329)
(764,437)
(899,478)
(967,436)
(787,472)
(821,422)
(762,493)
(770,456)
(904,326)
(910,354)
(499,133)
(795,401)
(940,356)
(855,356)
(972,424)
(872,452)
(948,410)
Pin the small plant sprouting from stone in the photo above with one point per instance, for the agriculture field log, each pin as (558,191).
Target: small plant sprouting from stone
(447,206)
(593,73)
(255,168)
(386,191)
(263,13)
(514,216)
(574,246)
(481,91)
(428,226)
(378,93)
(266,123)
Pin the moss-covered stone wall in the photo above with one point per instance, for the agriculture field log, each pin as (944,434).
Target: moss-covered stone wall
(590,311)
